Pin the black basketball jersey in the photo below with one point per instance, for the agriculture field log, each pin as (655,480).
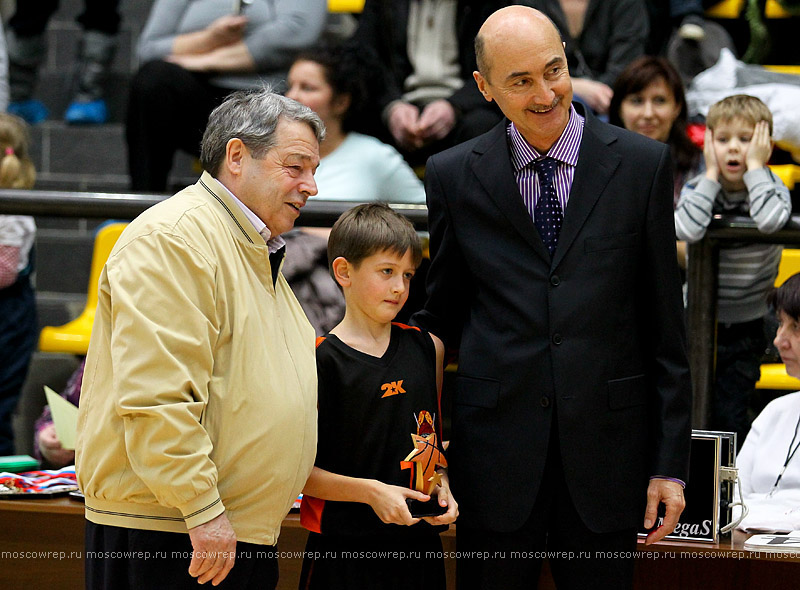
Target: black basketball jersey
(368,410)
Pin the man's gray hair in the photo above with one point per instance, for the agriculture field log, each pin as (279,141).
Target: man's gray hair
(251,116)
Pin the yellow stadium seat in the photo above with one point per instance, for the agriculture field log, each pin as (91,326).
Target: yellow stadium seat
(73,337)
(773,376)
(345,6)
(726,9)
(790,265)
(773,9)
(788,173)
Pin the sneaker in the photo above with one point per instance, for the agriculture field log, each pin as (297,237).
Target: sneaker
(87,113)
(691,28)
(32,110)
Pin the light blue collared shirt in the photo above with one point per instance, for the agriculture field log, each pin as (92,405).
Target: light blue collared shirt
(273,244)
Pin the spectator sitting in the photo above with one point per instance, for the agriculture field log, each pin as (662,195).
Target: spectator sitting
(426,56)
(46,446)
(601,39)
(197,53)
(737,146)
(649,99)
(353,166)
(27,44)
(18,330)
(770,477)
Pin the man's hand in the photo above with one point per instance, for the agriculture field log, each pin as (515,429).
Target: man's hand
(671,494)
(437,120)
(214,550)
(760,147)
(710,156)
(596,94)
(403,123)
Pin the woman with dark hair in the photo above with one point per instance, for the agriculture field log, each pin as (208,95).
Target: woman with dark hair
(769,471)
(649,99)
(353,166)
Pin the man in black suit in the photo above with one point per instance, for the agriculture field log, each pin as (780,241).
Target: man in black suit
(571,415)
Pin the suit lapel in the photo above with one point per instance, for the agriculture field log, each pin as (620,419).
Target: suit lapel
(492,167)
(596,165)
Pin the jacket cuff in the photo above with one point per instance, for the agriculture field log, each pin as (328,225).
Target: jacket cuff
(202,508)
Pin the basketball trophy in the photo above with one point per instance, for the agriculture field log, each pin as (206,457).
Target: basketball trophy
(423,462)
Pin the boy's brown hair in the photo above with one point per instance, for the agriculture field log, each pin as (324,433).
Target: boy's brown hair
(366,229)
(739,106)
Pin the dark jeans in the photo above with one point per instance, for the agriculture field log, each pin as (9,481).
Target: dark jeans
(133,559)
(18,336)
(31,16)
(167,111)
(740,348)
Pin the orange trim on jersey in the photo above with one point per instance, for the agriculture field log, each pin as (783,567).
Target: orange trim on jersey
(320,340)
(405,326)
(311,513)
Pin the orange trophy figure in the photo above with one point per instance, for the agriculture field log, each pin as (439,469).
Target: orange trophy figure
(423,462)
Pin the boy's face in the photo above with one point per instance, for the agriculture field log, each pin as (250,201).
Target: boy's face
(731,142)
(379,285)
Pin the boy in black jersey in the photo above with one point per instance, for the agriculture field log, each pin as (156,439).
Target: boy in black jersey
(379,384)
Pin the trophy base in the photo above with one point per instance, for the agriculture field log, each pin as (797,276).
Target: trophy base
(419,509)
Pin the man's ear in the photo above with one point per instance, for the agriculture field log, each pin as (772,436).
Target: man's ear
(235,151)
(341,271)
(483,85)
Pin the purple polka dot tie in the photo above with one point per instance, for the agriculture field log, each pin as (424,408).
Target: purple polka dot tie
(547,215)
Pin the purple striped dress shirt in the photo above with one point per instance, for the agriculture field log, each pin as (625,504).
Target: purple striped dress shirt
(565,150)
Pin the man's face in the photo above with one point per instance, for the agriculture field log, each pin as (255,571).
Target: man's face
(528,79)
(277,186)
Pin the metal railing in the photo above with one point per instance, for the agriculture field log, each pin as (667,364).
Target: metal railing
(702,275)
(316,213)
(702,298)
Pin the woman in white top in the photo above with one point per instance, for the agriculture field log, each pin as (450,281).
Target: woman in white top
(354,167)
(769,464)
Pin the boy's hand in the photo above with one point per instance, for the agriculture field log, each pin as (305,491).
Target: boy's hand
(760,147)
(445,499)
(389,503)
(712,168)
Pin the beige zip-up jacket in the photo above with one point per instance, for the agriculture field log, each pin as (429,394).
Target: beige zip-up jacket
(199,394)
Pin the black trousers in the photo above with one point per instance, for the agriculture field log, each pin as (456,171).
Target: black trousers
(31,17)
(579,558)
(132,559)
(168,110)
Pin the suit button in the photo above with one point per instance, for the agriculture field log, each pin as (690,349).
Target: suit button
(555,281)
(557,339)
(545,401)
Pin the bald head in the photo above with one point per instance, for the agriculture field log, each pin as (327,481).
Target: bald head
(507,27)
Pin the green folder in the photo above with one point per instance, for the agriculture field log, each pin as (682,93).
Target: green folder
(18,463)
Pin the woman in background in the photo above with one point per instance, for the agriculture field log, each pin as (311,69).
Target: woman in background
(649,99)
(353,166)
(17,303)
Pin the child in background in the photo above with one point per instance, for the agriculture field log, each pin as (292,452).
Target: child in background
(379,384)
(17,303)
(737,181)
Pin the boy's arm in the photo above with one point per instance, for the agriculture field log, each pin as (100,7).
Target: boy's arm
(388,501)
(770,202)
(695,209)
(439,346)
(445,497)
(696,203)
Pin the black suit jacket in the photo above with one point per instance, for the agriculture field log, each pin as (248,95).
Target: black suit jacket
(596,334)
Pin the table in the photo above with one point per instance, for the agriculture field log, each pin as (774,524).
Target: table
(41,546)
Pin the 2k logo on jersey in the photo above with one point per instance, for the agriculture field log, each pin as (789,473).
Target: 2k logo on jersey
(392,388)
